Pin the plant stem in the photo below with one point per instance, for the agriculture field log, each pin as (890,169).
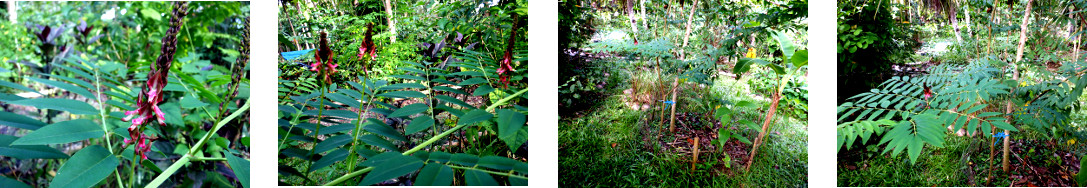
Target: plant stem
(487,171)
(105,125)
(427,143)
(317,132)
(169,171)
(188,156)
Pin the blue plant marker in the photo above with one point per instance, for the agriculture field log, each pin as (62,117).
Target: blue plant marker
(671,103)
(998,136)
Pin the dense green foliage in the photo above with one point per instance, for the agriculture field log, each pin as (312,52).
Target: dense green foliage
(1002,76)
(444,104)
(681,93)
(71,70)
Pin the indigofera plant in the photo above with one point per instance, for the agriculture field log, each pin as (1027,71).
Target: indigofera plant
(102,100)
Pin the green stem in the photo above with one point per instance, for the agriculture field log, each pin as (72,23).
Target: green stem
(409,152)
(198,159)
(428,141)
(317,132)
(105,125)
(188,156)
(170,171)
(487,171)
(355,140)
(504,100)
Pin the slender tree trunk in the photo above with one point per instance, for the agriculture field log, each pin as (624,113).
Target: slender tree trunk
(389,16)
(954,24)
(1015,76)
(765,128)
(12,14)
(644,24)
(687,35)
(969,31)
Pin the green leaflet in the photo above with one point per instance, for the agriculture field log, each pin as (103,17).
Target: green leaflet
(28,151)
(474,116)
(392,165)
(19,121)
(332,143)
(403,94)
(330,158)
(477,178)
(86,168)
(509,123)
(409,110)
(69,105)
(419,124)
(434,174)
(379,127)
(240,167)
(12,183)
(62,132)
(503,164)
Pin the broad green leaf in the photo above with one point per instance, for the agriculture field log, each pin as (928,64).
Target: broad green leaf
(477,178)
(800,58)
(472,81)
(86,168)
(332,143)
(17,86)
(449,89)
(379,127)
(409,110)
(464,159)
(62,132)
(419,124)
(501,163)
(19,121)
(240,167)
(150,13)
(189,102)
(66,86)
(12,183)
(394,165)
(474,116)
(374,140)
(435,174)
(28,151)
(404,86)
(403,94)
(332,157)
(454,101)
(69,105)
(509,122)
(343,99)
(784,43)
(483,90)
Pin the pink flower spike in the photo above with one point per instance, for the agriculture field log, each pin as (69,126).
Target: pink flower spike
(128,141)
(333,67)
(161,116)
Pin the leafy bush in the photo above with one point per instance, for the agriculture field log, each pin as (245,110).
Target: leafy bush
(120,110)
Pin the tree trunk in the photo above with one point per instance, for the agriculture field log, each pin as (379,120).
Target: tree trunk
(12,14)
(765,128)
(694,160)
(954,24)
(1015,76)
(389,16)
(687,35)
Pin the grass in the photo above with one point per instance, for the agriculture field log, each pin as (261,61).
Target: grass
(587,157)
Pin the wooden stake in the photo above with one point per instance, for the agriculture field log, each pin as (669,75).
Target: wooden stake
(672,124)
(695,161)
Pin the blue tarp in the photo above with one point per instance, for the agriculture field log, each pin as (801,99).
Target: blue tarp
(291,56)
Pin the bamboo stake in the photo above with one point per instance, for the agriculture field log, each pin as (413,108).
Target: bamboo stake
(695,161)
(1015,76)
(672,123)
